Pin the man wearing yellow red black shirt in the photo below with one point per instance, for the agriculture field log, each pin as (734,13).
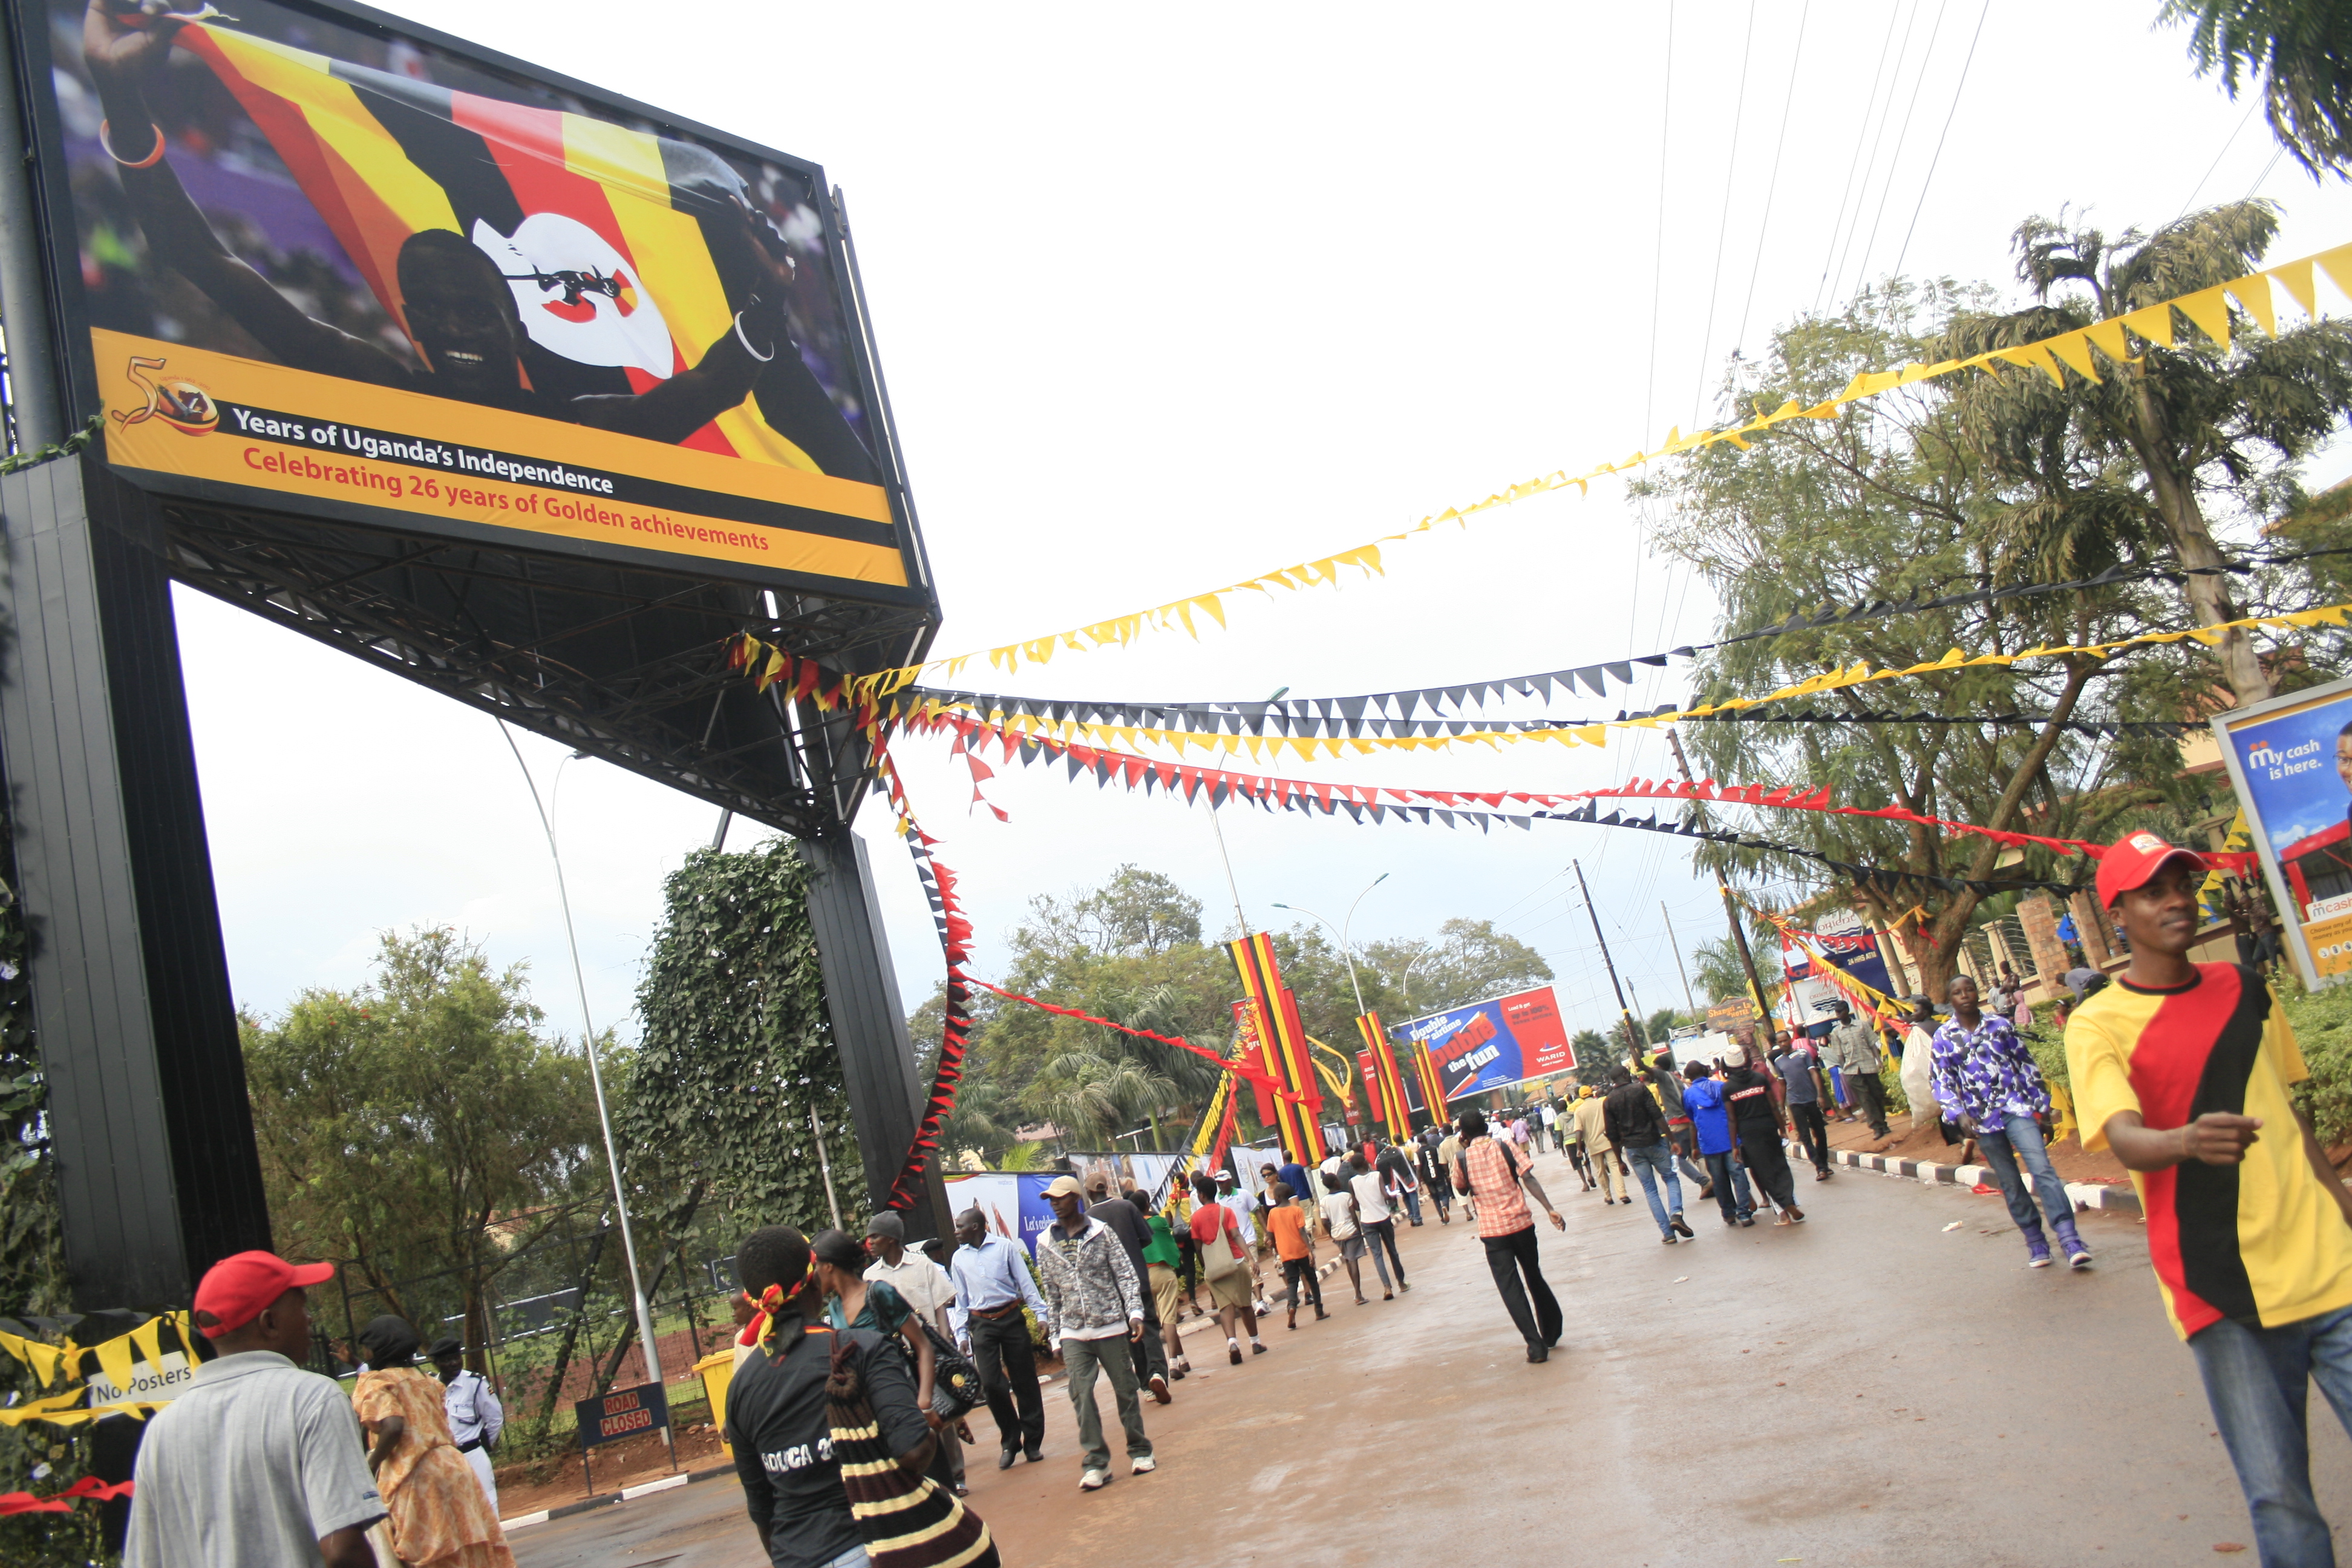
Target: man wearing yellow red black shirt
(2183,1069)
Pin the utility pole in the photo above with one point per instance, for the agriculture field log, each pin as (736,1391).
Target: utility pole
(1633,1037)
(1731,912)
(1675,944)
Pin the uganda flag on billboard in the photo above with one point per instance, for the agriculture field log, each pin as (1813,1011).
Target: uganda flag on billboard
(578,212)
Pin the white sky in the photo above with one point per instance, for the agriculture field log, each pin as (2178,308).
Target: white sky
(1167,298)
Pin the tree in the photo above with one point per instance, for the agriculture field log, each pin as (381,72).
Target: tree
(1469,962)
(2302,51)
(397,1121)
(2125,467)
(1883,504)
(1717,972)
(1594,1056)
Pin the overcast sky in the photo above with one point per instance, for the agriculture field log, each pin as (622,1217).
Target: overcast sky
(1171,298)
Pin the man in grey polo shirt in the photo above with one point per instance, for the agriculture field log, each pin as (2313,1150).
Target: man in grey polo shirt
(258,1465)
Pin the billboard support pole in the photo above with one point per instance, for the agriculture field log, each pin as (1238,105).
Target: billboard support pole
(1632,1038)
(33,396)
(1731,913)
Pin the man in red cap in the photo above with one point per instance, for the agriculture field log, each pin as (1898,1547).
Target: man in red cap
(2180,1068)
(260,1462)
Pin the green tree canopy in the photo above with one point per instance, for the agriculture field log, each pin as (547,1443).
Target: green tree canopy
(2302,52)
(398,1120)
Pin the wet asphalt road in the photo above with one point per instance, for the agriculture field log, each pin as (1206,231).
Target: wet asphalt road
(1865,1388)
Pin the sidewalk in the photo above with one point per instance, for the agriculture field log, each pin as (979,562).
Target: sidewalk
(1921,1154)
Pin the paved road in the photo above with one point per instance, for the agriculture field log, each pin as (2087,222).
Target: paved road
(1863,1389)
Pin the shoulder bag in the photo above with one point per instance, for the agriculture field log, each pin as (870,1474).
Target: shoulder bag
(1223,1262)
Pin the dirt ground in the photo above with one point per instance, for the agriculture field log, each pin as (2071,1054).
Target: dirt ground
(552,1482)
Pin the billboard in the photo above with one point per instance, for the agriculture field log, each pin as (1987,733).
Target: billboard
(1490,1044)
(2289,759)
(307,261)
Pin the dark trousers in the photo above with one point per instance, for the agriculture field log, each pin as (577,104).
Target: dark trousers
(1811,1131)
(1008,1375)
(1767,1163)
(1509,1257)
(1149,1353)
(1380,1234)
(1869,1099)
(1304,1285)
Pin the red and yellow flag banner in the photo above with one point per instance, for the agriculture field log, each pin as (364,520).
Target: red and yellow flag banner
(1282,1047)
(1388,1088)
(1433,1086)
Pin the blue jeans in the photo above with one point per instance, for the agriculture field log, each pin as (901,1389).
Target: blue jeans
(2019,1138)
(1656,1160)
(1413,1205)
(1731,1192)
(2258,1380)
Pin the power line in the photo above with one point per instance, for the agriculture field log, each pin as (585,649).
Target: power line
(1658,244)
(1855,161)
(1938,158)
(1772,185)
(1878,140)
(1894,159)
(1723,220)
(2224,152)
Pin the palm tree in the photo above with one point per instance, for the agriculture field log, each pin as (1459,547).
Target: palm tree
(2121,468)
(2302,49)
(1092,1098)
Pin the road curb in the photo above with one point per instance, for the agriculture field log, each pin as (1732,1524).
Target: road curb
(607,1499)
(2120,1198)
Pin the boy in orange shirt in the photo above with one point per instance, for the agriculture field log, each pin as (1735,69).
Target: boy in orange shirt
(1288,1222)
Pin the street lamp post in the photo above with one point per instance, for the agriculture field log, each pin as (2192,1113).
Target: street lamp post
(1341,932)
(595,1075)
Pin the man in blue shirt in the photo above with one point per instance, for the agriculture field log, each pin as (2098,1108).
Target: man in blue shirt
(992,1284)
(1711,1120)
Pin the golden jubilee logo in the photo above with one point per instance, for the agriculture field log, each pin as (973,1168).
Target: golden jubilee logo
(176,401)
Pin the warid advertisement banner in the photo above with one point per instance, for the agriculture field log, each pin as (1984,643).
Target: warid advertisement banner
(1491,1043)
(325,266)
(2289,759)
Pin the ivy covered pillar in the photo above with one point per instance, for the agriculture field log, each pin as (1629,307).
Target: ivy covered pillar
(869,1023)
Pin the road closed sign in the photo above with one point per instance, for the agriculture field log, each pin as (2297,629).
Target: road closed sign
(623,1412)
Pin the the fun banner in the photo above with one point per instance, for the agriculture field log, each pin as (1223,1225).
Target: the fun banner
(1492,1043)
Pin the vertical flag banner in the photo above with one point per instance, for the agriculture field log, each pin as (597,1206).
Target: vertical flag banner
(1390,1091)
(1424,1074)
(1282,1047)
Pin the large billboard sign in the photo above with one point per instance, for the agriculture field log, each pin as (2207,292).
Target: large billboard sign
(2289,759)
(1493,1043)
(326,264)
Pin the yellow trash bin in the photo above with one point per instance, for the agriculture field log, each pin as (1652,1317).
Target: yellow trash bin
(716,1369)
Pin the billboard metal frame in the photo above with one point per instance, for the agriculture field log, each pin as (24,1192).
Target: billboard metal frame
(2283,897)
(615,652)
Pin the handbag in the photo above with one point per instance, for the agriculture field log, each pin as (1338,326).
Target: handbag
(1223,1262)
(954,1380)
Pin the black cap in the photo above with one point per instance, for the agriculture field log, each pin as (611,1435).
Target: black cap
(447,1344)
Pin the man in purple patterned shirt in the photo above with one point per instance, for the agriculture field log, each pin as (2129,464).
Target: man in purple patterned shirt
(1988,1083)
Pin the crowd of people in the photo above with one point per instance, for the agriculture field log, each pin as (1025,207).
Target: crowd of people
(859,1361)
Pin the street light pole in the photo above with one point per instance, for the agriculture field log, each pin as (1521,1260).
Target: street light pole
(1341,932)
(595,1075)
(1631,1037)
(1675,944)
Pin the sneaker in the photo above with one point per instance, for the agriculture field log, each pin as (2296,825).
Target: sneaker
(1257,1347)
(1160,1388)
(2070,1242)
(2037,1252)
(1144,1466)
(2078,1257)
(1747,1220)
(1676,1219)
(1094,1480)
(1670,1238)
